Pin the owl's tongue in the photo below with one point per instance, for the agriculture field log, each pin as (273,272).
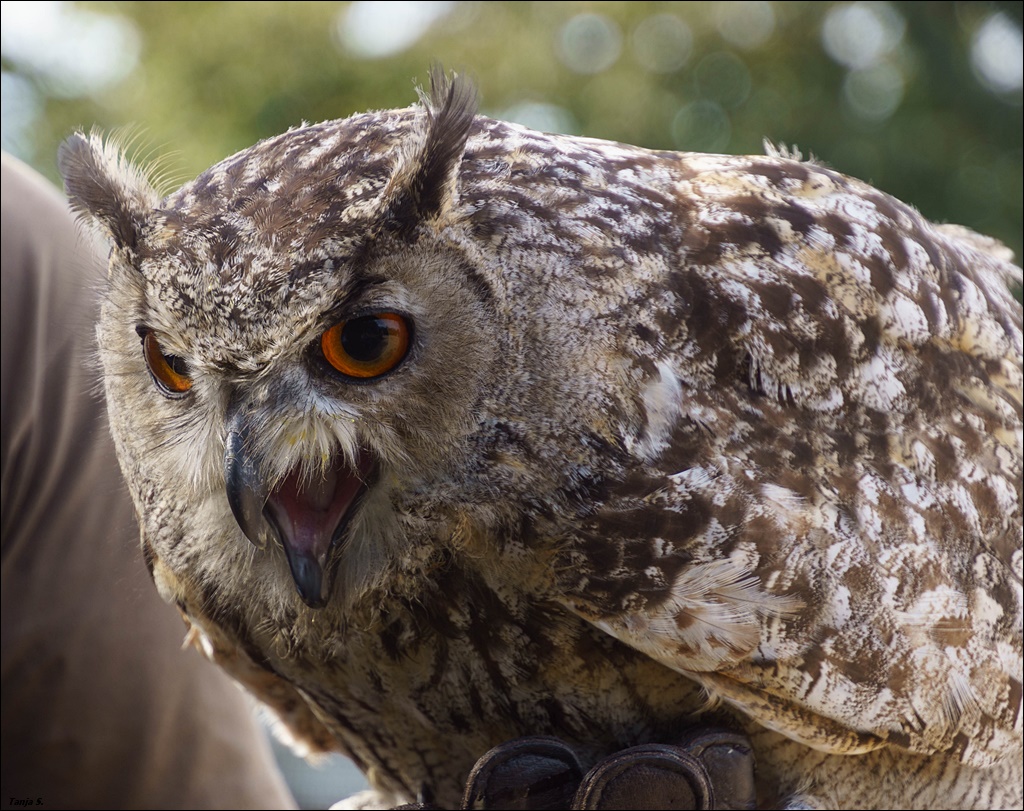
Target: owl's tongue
(310,516)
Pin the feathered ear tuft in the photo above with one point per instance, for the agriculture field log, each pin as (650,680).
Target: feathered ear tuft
(424,186)
(102,184)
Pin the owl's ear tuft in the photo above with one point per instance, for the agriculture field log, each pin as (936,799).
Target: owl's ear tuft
(424,185)
(102,184)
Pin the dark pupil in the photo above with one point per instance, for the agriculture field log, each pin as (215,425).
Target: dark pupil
(365,339)
(177,364)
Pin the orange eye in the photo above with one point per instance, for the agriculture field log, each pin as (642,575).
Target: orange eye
(170,372)
(368,346)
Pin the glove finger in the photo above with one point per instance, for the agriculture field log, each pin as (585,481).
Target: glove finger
(646,777)
(525,773)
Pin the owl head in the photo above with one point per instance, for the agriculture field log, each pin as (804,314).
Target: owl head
(320,348)
(291,343)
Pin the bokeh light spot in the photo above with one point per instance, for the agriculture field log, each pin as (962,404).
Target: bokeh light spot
(747,24)
(589,43)
(76,52)
(21,108)
(374,29)
(723,77)
(538,115)
(874,93)
(701,126)
(997,54)
(662,43)
(859,35)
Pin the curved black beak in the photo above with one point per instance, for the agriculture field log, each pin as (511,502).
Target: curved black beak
(247,490)
(248,494)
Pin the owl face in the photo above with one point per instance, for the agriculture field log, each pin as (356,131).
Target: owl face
(285,359)
(306,413)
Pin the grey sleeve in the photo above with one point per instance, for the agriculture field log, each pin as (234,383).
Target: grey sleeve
(101,707)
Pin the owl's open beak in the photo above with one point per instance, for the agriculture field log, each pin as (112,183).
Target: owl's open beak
(310,517)
(307,515)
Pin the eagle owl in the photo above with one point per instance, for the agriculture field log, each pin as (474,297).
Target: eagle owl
(443,432)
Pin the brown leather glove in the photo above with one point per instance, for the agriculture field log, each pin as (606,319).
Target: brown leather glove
(709,768)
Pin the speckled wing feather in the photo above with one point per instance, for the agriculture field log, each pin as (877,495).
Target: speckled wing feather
(829,539)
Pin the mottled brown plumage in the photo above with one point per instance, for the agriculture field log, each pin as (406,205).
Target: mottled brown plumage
(667,426)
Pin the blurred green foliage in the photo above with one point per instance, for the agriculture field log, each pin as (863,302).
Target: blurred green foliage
(888,92)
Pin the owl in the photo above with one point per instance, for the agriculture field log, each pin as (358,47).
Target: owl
(444,433)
